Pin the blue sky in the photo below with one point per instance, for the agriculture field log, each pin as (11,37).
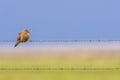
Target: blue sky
(60,19)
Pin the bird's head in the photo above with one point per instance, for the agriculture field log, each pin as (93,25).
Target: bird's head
(26,30)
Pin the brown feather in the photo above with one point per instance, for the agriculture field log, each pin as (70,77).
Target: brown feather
(22,37)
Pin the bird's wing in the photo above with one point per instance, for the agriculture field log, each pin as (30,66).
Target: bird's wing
(18,38)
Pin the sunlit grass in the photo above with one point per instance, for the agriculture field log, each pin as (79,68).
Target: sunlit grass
(60,75)
(59,58)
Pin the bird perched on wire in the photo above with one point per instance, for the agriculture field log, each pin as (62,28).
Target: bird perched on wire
(22,37)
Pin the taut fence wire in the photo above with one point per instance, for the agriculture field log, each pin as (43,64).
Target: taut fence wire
(64,41)
(39,69)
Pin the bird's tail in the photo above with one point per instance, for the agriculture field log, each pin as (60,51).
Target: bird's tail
(18,42)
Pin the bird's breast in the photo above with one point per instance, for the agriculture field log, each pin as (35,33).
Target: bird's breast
(25,37)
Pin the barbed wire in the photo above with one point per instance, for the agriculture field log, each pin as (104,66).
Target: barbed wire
(64,41)
(38,69)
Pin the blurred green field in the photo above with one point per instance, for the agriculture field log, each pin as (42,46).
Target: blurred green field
(59,75)
(52,57)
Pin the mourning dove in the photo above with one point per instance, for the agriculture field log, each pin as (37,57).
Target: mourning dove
(22,37)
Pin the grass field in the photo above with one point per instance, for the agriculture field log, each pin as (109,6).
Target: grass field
(60,57)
